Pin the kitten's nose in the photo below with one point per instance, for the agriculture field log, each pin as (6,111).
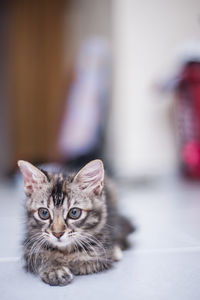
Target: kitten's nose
(58,234)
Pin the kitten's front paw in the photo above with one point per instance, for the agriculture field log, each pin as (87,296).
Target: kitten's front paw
(56,276)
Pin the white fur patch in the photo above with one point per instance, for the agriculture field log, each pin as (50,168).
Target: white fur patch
(117,253)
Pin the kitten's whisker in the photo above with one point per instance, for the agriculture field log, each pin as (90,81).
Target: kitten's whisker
(94,240)
(93,249)
(86,242)
(98,243)
(82,246)
(39,246)
(36,241)
(76,248)
(32,238)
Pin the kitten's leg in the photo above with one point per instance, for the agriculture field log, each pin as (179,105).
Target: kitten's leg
(51,269)
(87,263)
(52,274)
(56,275)
(97,265)
(89,267)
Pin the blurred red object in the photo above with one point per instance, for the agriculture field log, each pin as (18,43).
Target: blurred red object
(188,114)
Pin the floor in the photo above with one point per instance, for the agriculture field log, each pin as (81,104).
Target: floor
(163,263)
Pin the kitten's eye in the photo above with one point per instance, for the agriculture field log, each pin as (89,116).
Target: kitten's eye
(74,213)
(43,213)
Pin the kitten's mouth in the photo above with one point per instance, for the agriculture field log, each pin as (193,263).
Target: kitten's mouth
(62,243)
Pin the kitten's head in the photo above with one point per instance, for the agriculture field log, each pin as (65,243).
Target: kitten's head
(64,211)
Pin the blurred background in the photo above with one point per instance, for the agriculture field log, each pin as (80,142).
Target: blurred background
(87,79)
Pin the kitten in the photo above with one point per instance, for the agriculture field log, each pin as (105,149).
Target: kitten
(72,223)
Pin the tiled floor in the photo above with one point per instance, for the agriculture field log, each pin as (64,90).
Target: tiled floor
(164,262)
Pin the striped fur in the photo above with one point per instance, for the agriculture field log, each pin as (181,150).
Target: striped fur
(88,244)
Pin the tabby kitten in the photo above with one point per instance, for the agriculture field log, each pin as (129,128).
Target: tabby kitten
(72,223)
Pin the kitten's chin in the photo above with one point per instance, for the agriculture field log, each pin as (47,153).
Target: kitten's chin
(61,244)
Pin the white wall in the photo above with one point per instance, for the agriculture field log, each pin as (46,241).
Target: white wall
(145,37)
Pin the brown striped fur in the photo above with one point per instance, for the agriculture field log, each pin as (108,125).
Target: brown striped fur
(87,244)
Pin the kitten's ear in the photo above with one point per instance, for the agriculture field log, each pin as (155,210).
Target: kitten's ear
(91,177)
(33,177)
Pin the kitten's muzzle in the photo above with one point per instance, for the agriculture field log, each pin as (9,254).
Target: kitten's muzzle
(58,234)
